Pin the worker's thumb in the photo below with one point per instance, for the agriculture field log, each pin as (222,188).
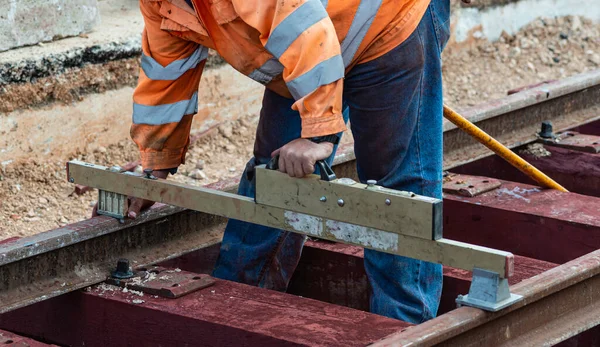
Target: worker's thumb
(135,207)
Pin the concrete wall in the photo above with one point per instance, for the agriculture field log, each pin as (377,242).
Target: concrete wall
(488,18)
(27,22)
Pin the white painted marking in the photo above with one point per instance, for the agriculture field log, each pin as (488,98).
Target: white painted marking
(368,237)
(304,223)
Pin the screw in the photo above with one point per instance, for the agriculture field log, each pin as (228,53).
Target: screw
(341,202)
(323,199)
(371,183)
(388,202)
(72,180)
(122,271)
(547,131)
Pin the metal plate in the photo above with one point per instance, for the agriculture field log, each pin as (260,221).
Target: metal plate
(576,141)
(164,282)
(469,186)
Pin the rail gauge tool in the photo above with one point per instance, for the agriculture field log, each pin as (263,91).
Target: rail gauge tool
(326,207)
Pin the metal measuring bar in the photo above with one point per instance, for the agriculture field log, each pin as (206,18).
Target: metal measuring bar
(340,210)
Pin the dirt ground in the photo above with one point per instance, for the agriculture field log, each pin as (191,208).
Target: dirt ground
(34,194)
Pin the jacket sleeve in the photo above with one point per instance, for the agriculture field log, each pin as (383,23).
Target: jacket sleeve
(301,35)
(166,97)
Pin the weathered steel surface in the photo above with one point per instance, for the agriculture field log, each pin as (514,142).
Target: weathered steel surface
(542,224)
(225,314)
(469,186)
(576,141)
(13,340)
(557,305)
(516,119)
(164,282)
(577,171)
(52,263)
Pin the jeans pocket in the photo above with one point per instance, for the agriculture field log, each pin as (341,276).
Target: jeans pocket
(440,13)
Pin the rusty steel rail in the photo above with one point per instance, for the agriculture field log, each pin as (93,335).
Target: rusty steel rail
(515,120)
(59,261)
(557,304)
(49,264)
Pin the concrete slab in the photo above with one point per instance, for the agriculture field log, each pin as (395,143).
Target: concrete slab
(27,22)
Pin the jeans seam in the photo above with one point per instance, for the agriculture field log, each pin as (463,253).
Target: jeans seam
(271,256)
(436,27)
(418,148)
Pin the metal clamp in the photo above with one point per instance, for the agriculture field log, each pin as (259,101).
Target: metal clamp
(488,292)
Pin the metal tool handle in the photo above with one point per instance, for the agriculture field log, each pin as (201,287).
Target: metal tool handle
(325,170)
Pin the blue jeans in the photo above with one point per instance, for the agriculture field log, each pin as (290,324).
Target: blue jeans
(394,104)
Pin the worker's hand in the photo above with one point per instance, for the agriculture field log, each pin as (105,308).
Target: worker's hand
(298,158)
(137,205)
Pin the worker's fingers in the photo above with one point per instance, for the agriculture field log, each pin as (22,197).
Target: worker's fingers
(281,163)
(275,152)
(135,206)
(298,168)
(308,167)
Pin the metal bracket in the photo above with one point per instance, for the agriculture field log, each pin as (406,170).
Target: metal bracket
(575,141)
(469,186)
(488,292)
(164,282)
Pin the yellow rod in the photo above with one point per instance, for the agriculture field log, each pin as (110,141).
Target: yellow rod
(501,150)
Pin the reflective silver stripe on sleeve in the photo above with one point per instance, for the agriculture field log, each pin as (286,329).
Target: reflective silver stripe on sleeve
(164,114)
(294,25)
(175,69)
(325,72)
(367,9)
(267,71)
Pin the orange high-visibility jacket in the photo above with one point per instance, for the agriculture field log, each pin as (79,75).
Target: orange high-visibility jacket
(297,48)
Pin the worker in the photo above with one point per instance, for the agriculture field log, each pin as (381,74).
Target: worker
(374,62)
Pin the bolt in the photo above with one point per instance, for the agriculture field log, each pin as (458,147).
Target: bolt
(388,202)
(371,183)
(323,199)
(122,271)
(341,202)
(547,131)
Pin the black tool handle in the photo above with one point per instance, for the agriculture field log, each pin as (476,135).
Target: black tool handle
(325,170)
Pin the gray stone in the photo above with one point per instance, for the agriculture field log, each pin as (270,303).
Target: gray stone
(197,174)
(28,22)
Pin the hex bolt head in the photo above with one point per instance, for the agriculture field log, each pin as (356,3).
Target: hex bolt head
(388,202)
(371,183)
(122,271)
(340,202)
(323,199)
(547,132)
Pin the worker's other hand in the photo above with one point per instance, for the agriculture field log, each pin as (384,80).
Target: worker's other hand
(137,205)
(298,158)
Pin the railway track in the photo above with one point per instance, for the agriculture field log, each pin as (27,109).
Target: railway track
(555,238)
